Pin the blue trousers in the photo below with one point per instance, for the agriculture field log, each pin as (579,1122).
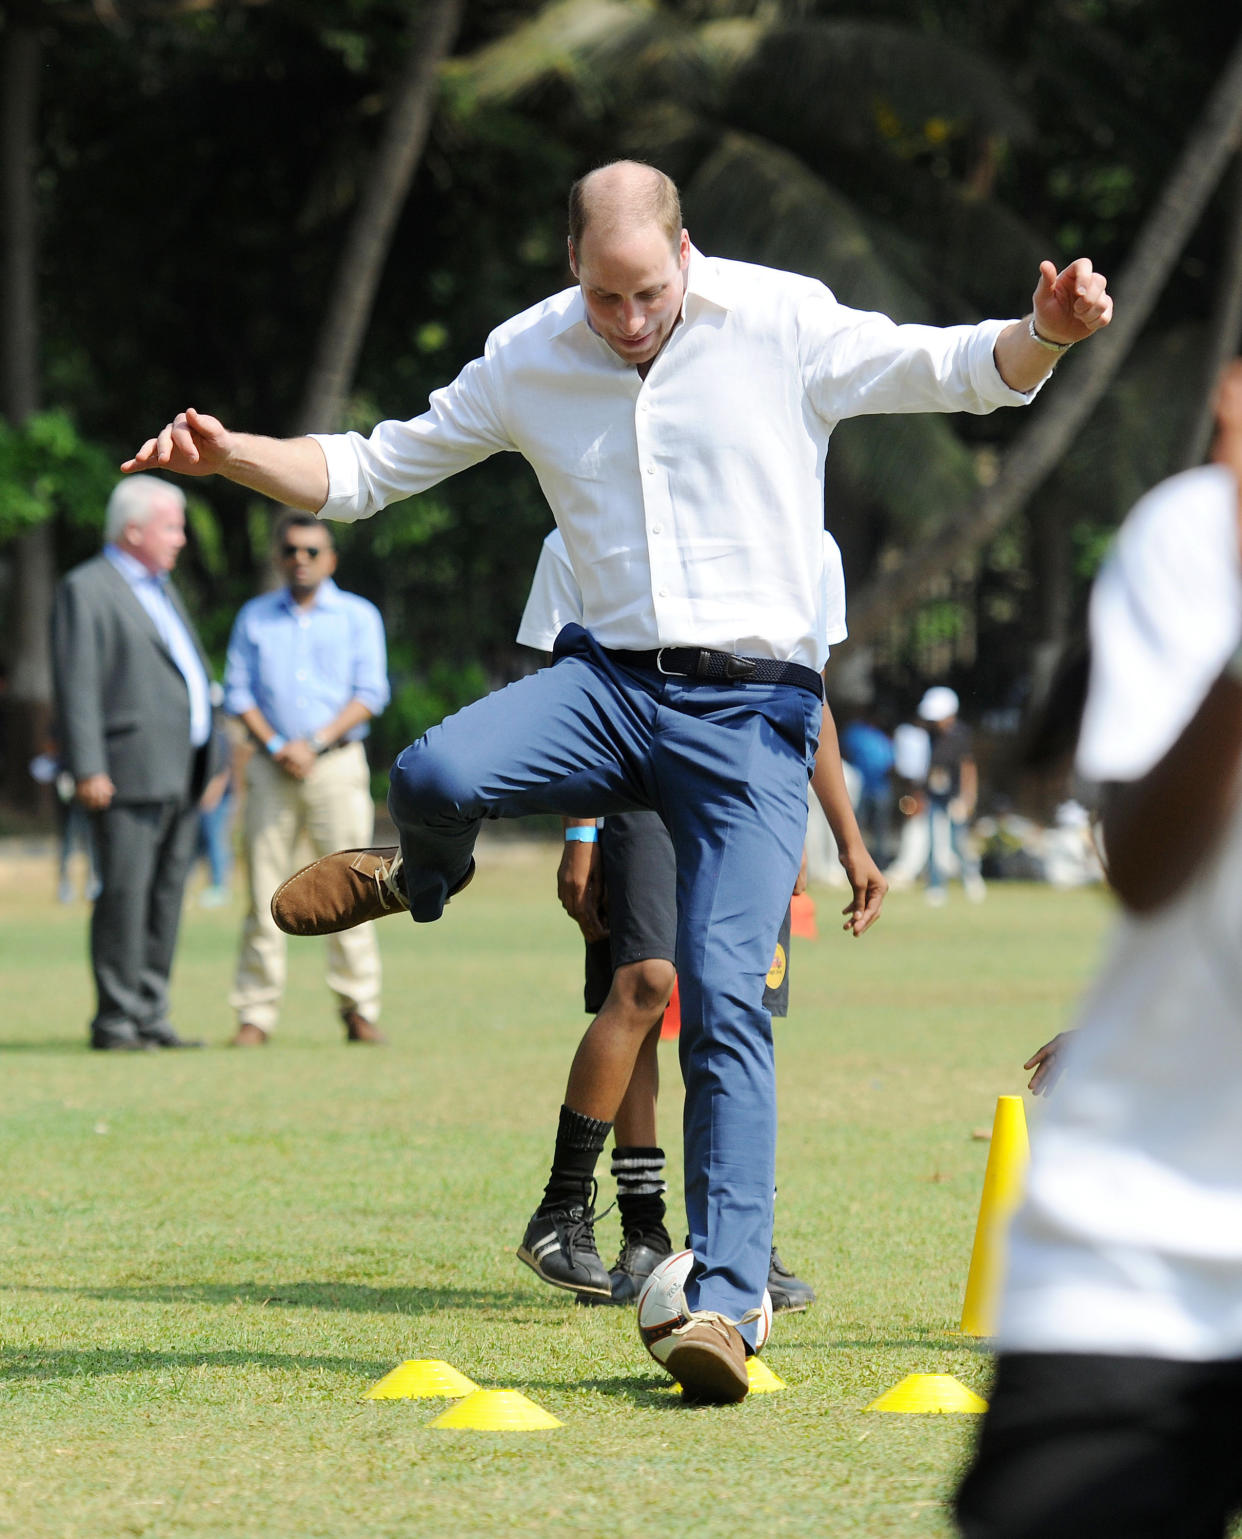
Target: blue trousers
(726,766)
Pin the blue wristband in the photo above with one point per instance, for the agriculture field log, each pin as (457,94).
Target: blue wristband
(275,743)
(585,835)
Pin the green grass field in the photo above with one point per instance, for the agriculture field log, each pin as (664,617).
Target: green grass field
(209,1257)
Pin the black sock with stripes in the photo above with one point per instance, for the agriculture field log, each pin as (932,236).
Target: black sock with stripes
(639,1174)
(579,1144)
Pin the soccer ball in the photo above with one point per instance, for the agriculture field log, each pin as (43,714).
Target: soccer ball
(662,1306)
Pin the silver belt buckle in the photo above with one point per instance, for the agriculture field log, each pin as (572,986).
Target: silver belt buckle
(667,673)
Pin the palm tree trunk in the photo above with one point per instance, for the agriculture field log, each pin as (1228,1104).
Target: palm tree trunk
(28,700)
(1036,451)
(432,35)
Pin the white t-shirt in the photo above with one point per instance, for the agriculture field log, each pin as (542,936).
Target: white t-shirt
(555,601)
(1130,1238)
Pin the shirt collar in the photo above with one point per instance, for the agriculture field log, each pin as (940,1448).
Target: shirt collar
(327,596)
(130,568)
(703,282)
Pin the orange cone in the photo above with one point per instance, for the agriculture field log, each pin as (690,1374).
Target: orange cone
(802,916)
(670,1026)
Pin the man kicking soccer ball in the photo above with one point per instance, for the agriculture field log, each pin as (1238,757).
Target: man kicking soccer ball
(676,409)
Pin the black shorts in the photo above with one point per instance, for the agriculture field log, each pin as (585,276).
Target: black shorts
(640,886)
(1086,1446)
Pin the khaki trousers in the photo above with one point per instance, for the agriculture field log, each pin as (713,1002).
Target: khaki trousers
(331,810)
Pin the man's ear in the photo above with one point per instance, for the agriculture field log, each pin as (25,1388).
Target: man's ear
(573,258)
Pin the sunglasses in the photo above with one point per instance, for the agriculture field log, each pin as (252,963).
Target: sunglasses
(311,552)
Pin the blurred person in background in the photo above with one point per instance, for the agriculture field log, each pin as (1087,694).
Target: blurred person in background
(134,714)
(1114,1412)
(868,747)
(307,669)
(952,793)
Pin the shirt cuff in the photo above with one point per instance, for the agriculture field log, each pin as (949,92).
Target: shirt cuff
(986,377)
(345,495)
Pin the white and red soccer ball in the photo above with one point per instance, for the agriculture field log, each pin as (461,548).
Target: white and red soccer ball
(662,1306)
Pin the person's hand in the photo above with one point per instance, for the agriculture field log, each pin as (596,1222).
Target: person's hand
(1047,1063)
(95,792)
(192,444)
(296,758)
(1071,304)
(213,792)
(869,886)
(580,887)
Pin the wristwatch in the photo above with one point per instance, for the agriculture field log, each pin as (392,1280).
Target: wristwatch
(317,743)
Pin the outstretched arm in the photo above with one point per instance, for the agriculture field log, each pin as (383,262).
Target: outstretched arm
(291,471)
(865,877)
(1067,307)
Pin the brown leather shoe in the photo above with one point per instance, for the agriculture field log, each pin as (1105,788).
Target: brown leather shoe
(249,1035)
(340,891)
(359,1029)
(708,1360)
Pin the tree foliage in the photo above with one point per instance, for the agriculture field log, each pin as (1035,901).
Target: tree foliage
(199,166)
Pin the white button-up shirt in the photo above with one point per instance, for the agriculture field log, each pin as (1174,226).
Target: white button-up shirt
(691,502)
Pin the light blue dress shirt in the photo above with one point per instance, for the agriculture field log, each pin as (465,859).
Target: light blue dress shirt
(301,666)
(150,589)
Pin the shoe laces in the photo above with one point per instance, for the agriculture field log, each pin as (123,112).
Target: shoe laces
(386,872)
(576,1225)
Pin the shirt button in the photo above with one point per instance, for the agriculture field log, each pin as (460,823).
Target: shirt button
(651,470)
(643,406)
(657,528)
(300,675)
(663,592)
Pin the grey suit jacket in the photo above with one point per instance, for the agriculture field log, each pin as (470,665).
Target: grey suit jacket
(122,703)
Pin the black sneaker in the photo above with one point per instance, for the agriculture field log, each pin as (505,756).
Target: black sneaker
(632,1268)
(560,1246)
(787,1292)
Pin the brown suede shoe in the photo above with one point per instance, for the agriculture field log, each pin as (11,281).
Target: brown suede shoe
(359,1029)
(340,891)
(249,1035)
(708,1360)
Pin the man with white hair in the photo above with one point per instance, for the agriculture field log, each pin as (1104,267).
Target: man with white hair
(676,409)
(132,696)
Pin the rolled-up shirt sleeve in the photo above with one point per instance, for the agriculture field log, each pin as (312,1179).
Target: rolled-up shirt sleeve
(461,426)
(859,363)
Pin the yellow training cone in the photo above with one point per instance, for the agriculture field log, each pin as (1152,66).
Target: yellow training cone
(1008,1154)
(929,1393)
(421,1378)
(762,1380)
(496,1410)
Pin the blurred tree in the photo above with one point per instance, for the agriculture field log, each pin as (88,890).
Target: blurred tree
(25,708)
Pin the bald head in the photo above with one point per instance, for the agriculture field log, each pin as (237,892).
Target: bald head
(620,198)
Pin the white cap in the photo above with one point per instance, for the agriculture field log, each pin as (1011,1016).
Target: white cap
(938,704)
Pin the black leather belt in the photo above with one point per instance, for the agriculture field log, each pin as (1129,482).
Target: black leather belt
(720,667)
